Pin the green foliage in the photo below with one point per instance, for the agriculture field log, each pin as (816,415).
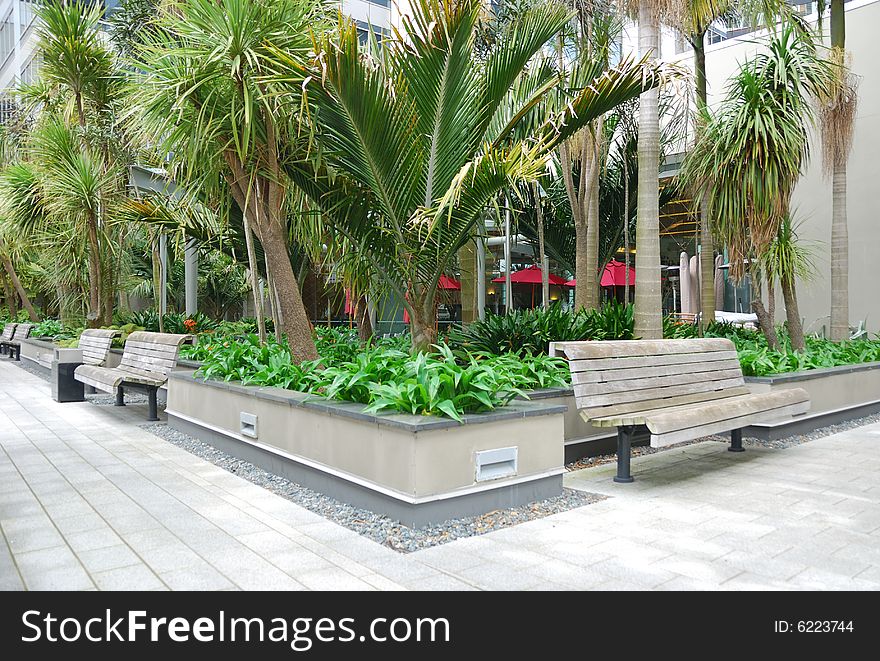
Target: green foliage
(530,331)
(383,377)
(48,328)
(174,322)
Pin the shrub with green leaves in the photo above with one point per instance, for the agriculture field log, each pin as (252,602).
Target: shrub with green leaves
(385,377)
(531,331)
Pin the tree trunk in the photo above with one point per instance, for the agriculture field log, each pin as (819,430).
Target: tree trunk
(766,325)
(254,277)
(771,300)
(545,275)
(838,24)
(421,324)
(9,295)
(365,326)
(839,256)
(581,264)
(839,228)
(16,283)
(592,202)
(648,301)
(792,314)
(295,321)
(95,274)
(707,248)
(157,282)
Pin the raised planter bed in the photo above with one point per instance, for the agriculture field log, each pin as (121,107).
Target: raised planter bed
(39,352)
(416,469)
(836,394)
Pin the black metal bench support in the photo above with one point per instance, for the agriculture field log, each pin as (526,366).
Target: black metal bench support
(736,441)
(624,448)
(152,403)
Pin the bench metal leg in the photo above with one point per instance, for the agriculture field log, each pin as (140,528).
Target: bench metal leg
(736,441)
(153,414)
(120,396)
(624,447)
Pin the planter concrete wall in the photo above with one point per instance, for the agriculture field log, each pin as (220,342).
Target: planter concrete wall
(38,352)
(581,438)
(836,394)
(418,469)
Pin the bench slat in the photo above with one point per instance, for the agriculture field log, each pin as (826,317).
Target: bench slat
(589,401)
(661,440)
(589,364)
(628,348)
(637,379)
(148,364)
(668,421)
(599,414)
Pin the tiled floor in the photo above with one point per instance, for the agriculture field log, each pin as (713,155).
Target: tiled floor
(88,500)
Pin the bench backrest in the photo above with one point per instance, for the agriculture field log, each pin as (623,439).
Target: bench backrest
(22,331)
(611,378)
(152,355)
(95,344)
(8,332)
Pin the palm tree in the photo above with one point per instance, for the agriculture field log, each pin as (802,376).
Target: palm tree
(418,141)
(785,261)
(694,23)
(201,89)
(838,117)
(648,315)
(78,70)
(752,152)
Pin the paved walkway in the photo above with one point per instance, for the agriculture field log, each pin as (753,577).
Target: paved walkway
(88,500)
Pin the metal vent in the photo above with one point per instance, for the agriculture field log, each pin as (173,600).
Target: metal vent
(248,424)
(495,464)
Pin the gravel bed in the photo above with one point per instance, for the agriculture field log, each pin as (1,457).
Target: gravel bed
(778,444)
(27,367)
(376,527)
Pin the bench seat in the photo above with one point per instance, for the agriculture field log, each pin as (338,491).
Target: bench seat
(13,344)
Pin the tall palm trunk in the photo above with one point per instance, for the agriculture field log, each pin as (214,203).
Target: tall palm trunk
(422,328)
(592,257)
(295,321)
(9,295)
(792,314)
(542,255)
(16,283)
(254,278)
(707,248)
(839,229)
(362,316)
(839,255)
(96,279)
(648,301)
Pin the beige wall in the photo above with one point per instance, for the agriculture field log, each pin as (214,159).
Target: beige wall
(812,198)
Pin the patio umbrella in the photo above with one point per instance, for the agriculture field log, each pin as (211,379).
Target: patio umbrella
(614,274)
(684,282)
(531,276)
(449,283)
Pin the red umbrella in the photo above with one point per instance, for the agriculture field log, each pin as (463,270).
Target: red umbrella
(570,283)
(531,276)
(449,283)
(614,274)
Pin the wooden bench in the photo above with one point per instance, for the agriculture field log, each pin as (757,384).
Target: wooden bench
(6,335)
(13,344)
(147,360)
(679,390)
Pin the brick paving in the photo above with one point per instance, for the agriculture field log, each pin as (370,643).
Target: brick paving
(90,501)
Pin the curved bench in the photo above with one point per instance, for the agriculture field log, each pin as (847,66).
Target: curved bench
(679,390)
(147,360)
(6,335)
(13,344)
